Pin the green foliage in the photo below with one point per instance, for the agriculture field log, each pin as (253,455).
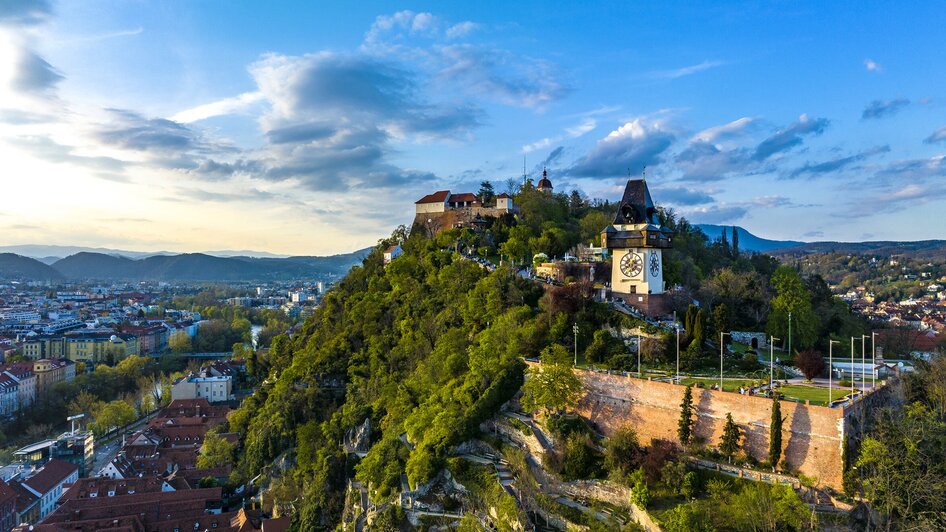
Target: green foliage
(215,452)
(729,444)
(552,385)
(775,433)
(686,422)
(113,415)
(640,493)
(623,452)
(580,460)
(792,297)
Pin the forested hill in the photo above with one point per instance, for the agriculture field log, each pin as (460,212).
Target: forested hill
(16,267)
(202,267)
(430,345)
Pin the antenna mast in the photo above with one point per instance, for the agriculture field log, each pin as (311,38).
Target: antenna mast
(524,175)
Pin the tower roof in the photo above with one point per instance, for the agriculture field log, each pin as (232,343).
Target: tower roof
(636,206)
(544,183)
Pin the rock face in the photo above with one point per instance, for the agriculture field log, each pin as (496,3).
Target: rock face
(358,439)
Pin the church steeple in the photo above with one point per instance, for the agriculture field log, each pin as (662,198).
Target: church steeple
(544,184)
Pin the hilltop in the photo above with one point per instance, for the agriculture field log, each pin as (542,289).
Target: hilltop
(920,249)
(16,267)
(747,240)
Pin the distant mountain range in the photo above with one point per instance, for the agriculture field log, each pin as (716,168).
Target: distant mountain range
(919,249)
(50,254)
(747,240)
(176,267)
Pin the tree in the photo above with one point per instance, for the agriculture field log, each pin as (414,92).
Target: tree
(721,322)
(729,444)
(810,362)
(623,452)
(685,425)
(215,452)
(180,342)
(552,385)
(792,297)
(85,403)
(113,415)
(486,194)
(735,241)
(775,433)
(640,494)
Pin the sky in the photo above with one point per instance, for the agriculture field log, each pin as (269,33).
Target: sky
(312,127)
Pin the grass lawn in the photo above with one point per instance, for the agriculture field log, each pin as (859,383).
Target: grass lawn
(729,385)
(817,396)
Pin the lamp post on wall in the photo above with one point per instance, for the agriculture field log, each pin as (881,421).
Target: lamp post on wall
(873,360)
(772,340)
(678,353)
(721,335)
(789,334)
(863,362)
(852,368)
(830,366)
(639,355)
(575,330)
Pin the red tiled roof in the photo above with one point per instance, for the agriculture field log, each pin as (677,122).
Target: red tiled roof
(437,197)
(503,195)
(468,197)
(54,472)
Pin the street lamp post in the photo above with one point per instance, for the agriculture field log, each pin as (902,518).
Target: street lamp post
(721,335)
(789,334)
(873,360)
(575,330)
(830,367)
(678,353)
(638,355)
(852,368)
(772,340)
(863,361)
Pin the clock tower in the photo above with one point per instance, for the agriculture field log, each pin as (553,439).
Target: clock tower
(636,241)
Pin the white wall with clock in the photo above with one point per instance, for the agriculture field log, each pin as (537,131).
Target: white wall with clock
(638,271)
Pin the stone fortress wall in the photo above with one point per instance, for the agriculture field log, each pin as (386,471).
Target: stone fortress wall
(812,436)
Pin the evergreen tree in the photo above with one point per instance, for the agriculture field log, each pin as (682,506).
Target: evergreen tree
(775,433)
(699,328)
(486,194)
(735,241)
(721,318)
(685,426)
(729,444)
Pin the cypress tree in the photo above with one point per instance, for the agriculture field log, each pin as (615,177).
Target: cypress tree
(685,426)
(698,328)
(775,433)
(735,241)
(729,444)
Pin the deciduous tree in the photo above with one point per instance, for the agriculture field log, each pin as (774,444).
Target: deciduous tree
(810,362)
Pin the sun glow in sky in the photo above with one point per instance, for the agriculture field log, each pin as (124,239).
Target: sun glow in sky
(311,128)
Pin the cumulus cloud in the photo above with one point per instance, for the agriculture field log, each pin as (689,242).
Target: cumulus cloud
(834,165)
(461,30)
(703,161)
(884,108)
(49,150)
(789,137)
(937,136)
(638,143)
(872,66)
(33,73)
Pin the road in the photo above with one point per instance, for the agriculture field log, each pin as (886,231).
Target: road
(107,448)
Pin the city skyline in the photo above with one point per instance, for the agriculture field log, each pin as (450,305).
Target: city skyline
(300,129)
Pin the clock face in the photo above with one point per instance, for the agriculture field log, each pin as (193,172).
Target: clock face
(654,265)
(632,264)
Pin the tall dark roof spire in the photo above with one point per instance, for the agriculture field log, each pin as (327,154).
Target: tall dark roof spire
(636,205)
(544,183)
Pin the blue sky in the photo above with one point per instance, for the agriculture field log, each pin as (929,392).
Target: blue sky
(311,128)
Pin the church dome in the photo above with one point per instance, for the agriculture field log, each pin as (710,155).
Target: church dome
(544,183)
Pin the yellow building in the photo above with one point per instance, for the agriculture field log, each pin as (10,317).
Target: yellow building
(95,347)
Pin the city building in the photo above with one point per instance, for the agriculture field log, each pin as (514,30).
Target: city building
(8,515)
(9,395)
(47,483)
(392,252)
(76,447)
(215,389)
(544,184)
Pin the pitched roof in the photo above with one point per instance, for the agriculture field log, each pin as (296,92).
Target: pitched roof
(437,197)
(52,473)
(467,197)
(636,205)
(503,195)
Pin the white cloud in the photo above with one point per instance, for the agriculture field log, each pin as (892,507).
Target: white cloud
(873,66)
(226,106)
(687,70)
(461,30)
(725,131)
